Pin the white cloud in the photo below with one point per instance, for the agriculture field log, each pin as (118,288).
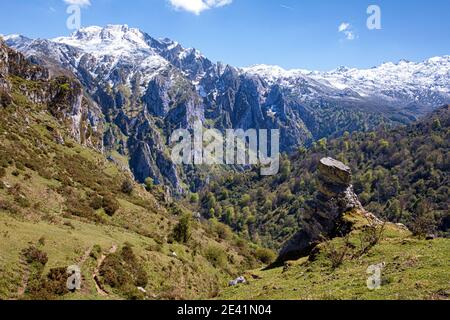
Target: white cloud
(347,29)
(81,3)
(198,6)
(350,35)
(286,7)
(344,26)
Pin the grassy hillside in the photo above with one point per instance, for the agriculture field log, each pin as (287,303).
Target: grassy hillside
(64,204)
(337,269)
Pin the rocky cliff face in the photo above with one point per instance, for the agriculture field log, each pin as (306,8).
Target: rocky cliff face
(4,69)
(335,198)
(63,96)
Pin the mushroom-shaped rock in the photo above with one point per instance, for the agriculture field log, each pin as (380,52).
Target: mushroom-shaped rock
(334,172)
(324,214)
(334,177)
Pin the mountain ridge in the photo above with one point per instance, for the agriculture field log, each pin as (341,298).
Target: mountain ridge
(93,39)
(146,88)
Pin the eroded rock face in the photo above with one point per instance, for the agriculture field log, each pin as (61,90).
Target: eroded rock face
(63,96)
(156,98)
(323,219)
(5,86)
(15,63)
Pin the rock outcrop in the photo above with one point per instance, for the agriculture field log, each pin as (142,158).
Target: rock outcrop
(63,96)
(3,66)
(335,185)
(323,220)
(5,98)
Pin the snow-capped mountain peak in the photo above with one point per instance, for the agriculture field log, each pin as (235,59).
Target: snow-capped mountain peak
(273,73)
(119,44)
(112,40)
(16,40)
(12,37)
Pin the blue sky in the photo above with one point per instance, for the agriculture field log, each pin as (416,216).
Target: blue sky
(290,33)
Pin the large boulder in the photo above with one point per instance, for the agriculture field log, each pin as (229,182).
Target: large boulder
(334,172)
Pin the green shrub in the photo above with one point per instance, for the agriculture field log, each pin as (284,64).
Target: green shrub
(2,172)
(130,292)
(113,272)
(245,200)
(216,256)
(64,87)
(149,184)
(423,225)
(138,274)
(175,209)
(41,241)
(96,202)
(32,165)
(5,158)
(336,253)
(266,256)
(223,231)
(56,282)
(34,255)
(194,198)
(5,98)
(127,187)
(77,207)
(182,231)
(369,237)
(45,173)
(96,252)
(22,201)
(111,205)
(19,166)
(123,272)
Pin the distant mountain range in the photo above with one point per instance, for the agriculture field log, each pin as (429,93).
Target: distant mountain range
(141,89)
